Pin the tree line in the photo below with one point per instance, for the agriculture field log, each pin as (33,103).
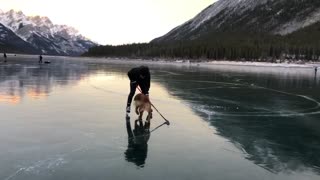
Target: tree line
(238,46)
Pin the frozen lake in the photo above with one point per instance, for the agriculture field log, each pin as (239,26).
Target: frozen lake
(67,120)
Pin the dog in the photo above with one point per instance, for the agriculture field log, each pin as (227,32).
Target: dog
(142,104)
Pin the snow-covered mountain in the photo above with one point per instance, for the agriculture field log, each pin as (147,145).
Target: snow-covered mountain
(45,36)
(9,41)
(268,16)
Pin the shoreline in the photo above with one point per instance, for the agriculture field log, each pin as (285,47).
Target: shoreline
(199,62)
(265,64)
(206,63)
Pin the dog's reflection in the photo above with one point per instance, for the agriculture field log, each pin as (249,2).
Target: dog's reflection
(137,142)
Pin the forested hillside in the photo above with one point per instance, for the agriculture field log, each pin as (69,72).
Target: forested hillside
(264,30)
(300,45)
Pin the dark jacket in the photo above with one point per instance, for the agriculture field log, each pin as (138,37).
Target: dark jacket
(135,77)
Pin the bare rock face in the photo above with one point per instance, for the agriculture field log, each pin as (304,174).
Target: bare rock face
(10,42)
(264,16)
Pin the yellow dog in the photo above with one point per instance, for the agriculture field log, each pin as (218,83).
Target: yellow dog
(142,104)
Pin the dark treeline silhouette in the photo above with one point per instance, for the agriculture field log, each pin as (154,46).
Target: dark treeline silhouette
(241,46)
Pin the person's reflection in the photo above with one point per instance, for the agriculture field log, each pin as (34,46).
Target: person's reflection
(137,142)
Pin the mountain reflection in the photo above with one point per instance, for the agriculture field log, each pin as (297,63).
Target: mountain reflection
(277,130)
(11,99)
(24,77)
(18,81)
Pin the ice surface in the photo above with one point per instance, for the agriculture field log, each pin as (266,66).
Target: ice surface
(67,120)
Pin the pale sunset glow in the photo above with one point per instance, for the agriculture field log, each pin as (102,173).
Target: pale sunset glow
(113,21)
(10,99)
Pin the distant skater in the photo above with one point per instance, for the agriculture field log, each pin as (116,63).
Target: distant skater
(40,59)
(315,70)
(5,57)
(139,76)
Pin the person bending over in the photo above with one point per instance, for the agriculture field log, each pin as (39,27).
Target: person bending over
(139,76)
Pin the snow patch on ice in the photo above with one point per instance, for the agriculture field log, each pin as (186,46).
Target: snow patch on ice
(261,64)
(203,109)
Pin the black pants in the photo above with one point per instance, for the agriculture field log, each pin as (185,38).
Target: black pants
(133,87)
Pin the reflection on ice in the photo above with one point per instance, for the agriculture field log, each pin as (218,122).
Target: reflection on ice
(65,120)
(137,142)
(276,129)
(19,81)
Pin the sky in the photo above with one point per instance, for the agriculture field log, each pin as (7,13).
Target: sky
(113,21)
